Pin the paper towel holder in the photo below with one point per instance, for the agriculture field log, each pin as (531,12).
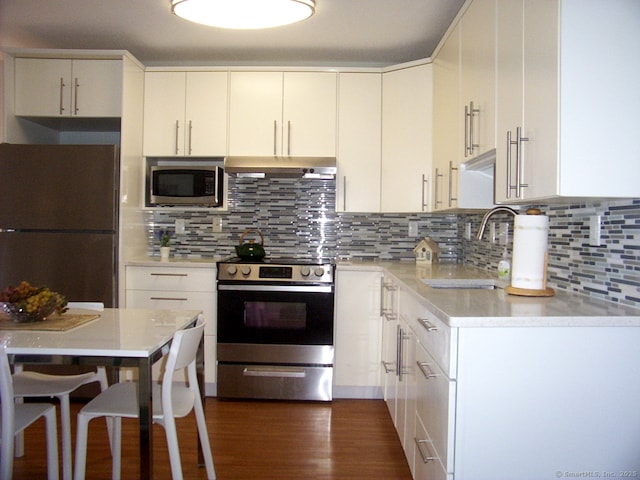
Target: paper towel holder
(526,292)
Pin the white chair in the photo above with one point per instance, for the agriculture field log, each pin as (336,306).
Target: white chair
(34,385)
(169,401)
(14,418)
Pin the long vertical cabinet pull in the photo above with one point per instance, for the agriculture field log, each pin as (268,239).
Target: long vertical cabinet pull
(519,169)
(289,137)
(76,85)
(275,137)
(510,186)
(399,338)
(469,113)
(436,190)
(451,197)
(190,131)
(177,130)
(425,193)
(344,193)
(62,85)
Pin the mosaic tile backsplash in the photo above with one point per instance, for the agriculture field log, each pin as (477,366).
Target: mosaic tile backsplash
(298,218)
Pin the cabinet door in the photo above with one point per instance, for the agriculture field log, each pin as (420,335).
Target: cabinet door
(406,138)
(164,107)
(43,87)
(478,77)
(359,134)
(97,88)
(358,329)
(255,113)
(509,85)
(309,114)
(206,114)
(406,407)
(447,138)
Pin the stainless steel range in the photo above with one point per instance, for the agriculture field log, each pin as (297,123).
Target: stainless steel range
(275,329)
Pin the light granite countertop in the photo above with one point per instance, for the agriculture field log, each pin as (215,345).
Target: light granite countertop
(474,307)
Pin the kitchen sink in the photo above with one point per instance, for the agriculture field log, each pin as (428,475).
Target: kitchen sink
(462,283)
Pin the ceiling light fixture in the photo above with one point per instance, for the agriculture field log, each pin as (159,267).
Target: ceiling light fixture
(243,14)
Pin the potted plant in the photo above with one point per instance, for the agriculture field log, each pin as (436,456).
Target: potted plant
(165,240)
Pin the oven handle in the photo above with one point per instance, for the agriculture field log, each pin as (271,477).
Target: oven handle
(278,372)
(276,288)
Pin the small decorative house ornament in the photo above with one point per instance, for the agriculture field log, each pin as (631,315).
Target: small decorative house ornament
(426,251)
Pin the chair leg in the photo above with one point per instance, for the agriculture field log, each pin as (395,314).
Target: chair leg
(204,438)
(81,446)
(65,420)
(101,374)
(6,453)
(169,424)
(52,445)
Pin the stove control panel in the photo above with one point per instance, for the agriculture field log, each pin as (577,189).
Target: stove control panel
(258,272)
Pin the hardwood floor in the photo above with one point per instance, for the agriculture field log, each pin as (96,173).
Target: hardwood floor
(344,439)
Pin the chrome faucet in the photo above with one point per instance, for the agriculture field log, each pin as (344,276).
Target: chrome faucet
(485,219)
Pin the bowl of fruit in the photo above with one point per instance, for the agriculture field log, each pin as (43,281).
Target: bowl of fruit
(26,303)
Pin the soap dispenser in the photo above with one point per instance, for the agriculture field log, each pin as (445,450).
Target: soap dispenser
(504,266)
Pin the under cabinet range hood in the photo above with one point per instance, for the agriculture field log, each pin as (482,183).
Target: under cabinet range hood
(288,167)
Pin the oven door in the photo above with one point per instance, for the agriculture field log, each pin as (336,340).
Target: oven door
(275,314)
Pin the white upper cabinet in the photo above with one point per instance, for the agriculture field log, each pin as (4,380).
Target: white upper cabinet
(276,113)
(185,114)
(359,138)
(447,137)
(567,100)
(477,64)
(50,87)
(407,103)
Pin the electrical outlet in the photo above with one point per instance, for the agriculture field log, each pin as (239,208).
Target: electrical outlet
(179,226)
(467,231)
(217,224)
(594,231)
(492,232)
(503,235)
(413,229)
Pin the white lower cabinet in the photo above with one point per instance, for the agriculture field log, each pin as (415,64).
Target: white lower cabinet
(427,464)
(178,287)
(357,334)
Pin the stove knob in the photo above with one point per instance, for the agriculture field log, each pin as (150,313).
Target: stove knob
(232,270)
(305,271)
(319,272)
(246,270)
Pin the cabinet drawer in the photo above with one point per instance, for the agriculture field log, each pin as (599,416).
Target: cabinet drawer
(427,464)
(435,400)
(171,278)
(431,332)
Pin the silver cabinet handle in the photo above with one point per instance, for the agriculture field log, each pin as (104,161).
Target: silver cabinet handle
(399,335)
(451,197)
(466,130)
(519,169)
(425,189)
(422,446)
(509,144)
(177,129)
(387,367)
(169,274)
(344,193)
(289,137)
(436,189)
(275,137)
(76,85)
(429,327)
(178,299)
(426,371)
(190,129)
(62,85)
(472,112)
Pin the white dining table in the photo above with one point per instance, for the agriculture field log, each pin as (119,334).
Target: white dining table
(118,337)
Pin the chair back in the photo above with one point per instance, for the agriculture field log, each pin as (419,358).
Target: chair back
(184,348)
(7,407)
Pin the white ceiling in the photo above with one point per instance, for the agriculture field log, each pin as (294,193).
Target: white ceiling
(341,33)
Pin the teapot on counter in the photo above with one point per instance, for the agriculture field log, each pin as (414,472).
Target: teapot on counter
(250,250)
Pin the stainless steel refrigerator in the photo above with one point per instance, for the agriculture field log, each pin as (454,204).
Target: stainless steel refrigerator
(59,219)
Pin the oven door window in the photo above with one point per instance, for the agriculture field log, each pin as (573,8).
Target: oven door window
(275,318)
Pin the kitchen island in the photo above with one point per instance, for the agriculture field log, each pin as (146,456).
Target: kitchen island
(484,385)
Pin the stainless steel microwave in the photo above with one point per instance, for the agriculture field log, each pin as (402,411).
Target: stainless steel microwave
(185,185)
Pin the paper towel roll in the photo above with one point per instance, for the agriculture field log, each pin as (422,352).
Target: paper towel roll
(530,238)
